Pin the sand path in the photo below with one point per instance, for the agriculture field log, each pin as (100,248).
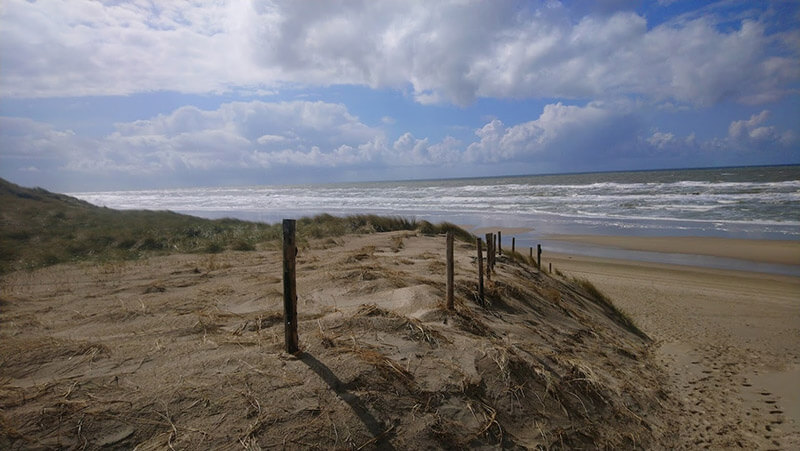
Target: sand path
(730,342)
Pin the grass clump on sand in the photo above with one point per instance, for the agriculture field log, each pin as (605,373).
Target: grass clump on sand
(39,228)
(325,225)
(615,312)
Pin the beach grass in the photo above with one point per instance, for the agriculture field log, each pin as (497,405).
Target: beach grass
(616,313)
(39,228)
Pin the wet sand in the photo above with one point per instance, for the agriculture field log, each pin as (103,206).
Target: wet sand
(763,251)
(730,340)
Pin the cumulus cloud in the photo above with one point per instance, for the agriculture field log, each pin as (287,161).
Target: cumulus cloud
(275,142)
(560,132)
(238,136)
(66,48)
(254,134)
(662,139)
(754,131)
(447,51)
(252,139)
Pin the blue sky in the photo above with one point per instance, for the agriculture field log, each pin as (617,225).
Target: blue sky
(137,94)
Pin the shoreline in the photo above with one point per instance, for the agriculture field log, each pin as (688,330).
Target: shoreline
(781,252)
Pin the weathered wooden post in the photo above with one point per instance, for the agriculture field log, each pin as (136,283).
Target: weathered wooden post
(500,242)
(480,271)
(531,253)
(450,270)
(494,251)
(539,256)
(290,286)
(551,268)
(513,244)
(489,254)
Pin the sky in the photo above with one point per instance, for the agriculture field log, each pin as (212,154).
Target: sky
(116,95)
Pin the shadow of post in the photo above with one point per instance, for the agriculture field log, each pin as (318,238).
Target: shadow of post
(372,424)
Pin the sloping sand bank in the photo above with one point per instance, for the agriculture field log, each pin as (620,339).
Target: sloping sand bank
(729,339)
(185,352)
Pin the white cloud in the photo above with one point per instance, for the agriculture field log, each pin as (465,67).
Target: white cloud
(739,129)
(246,138)
(662,139)
(77,48)
(238,136)
(561,131)
(277,142)
(444,51)
(753,132)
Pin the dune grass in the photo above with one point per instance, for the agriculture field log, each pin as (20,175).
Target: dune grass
(616,313)
(39,228)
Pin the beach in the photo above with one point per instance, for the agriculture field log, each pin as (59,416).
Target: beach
(179,349)
(729,340)
(175,339)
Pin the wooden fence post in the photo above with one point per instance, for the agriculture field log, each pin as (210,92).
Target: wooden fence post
(480,271)
(513,244)
(539,256)
(494,250)
(531,253)
(290,286)
(500,242)
(489,254)
(450,270)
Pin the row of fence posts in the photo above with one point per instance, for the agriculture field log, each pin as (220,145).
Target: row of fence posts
(493,246)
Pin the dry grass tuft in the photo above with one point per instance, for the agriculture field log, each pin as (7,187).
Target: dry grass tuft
(397,243)
(388,368)
(616,313)
(372,310)
(367,252)
(417,331)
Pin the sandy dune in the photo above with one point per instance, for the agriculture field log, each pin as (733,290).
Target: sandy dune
(185,351)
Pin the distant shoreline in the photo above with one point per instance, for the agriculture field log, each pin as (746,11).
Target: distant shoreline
(782,252)
(773,257)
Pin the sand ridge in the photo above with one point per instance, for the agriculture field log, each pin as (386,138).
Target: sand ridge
(185,351)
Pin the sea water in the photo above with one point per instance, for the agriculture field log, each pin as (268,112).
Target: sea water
(748,202)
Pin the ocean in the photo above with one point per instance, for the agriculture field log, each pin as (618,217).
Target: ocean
(746,202)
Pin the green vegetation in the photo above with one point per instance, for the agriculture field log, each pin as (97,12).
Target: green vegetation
(39,228)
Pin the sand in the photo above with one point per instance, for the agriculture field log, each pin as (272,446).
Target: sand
(730,340)
(186,352)
(765,251)
(507,231)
